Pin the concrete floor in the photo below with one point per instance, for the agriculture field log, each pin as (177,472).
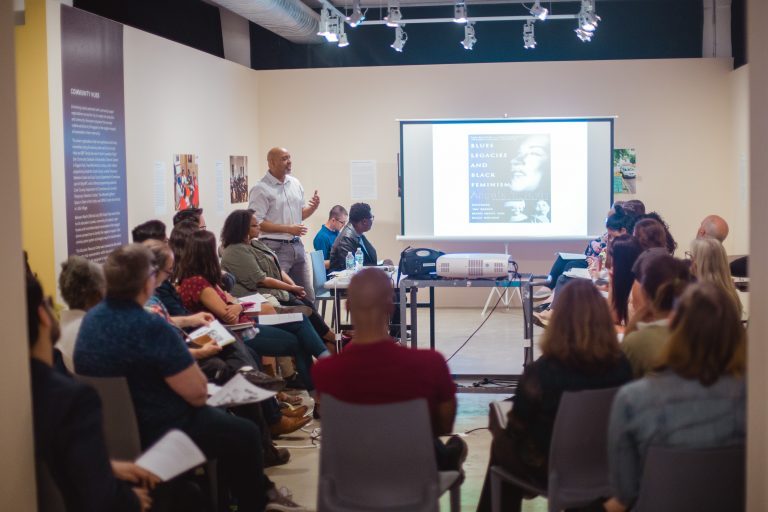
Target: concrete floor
(495,349)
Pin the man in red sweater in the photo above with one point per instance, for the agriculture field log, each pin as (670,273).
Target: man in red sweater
(374,369)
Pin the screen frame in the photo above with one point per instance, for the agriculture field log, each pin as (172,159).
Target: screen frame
(401,168)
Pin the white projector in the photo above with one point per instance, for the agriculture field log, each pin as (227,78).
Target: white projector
(473,266)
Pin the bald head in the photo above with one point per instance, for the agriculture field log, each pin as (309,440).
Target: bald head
(369,301)
(279,162)
(713,226)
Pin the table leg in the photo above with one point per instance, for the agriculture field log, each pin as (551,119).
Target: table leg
(432,317)
(414,315)
(403,316)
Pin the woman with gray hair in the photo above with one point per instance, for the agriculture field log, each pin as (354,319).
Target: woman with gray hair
(82,286)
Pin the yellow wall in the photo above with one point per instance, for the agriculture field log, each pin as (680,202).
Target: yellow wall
(34,142)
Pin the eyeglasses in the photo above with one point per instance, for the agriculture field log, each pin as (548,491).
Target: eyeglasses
(688,255)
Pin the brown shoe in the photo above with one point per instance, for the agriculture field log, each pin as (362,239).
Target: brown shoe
(287,425)
(296,412)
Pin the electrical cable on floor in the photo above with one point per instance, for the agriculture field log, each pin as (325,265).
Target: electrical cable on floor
(478,328)
(475,430)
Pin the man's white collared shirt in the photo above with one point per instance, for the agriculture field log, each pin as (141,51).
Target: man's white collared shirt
(277,202)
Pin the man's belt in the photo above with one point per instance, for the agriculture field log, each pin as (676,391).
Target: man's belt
(294,240)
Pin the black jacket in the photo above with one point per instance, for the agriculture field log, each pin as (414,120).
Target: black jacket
(349,241)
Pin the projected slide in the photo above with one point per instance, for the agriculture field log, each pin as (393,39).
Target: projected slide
(506,179)
(509,178)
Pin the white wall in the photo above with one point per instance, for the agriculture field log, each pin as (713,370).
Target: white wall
(676,113)
(177,100)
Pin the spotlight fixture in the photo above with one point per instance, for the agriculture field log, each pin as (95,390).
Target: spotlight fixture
(342,36)
(469,36)
(394,15)
(332,32)
(584,35)
(357,16)
(537,11)
(529,41)
(460,12)
(400,38)
(588,20)
(322,26)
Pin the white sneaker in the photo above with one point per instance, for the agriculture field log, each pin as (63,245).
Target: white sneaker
(280,501)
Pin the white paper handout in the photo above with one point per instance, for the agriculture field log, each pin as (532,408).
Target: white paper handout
(578,273)
(238,391)
(212,332)
(280,318)
(572,256)
(253,308)
(256,298)
(171,455)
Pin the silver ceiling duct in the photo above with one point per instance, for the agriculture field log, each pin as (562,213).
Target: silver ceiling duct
(290,19)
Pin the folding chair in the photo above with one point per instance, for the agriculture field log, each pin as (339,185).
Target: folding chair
(578,456)
(371,461)
(711,480)
(322,296)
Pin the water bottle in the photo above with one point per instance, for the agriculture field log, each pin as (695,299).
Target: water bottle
(358,259)
(350,261)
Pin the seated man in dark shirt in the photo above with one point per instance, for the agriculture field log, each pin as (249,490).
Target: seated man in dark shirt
(373,369)
(353,237)
(118,338)
(69,438)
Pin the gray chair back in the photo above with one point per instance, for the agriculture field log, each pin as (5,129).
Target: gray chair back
(711,480)
(121,431)
(578,457)
(318,273)
(372,458)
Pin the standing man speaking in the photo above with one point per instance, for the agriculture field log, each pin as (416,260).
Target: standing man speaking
(278,202)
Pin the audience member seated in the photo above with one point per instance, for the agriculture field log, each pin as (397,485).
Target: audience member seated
(709,263)
(118,338)
(150,230)
(663,280)
(373,369)
(713,226)
(669,240)
(579,351)
(82,286)
(193,214)
(623,251)
(323,241)
(652,237)
(69,437)
(199,272)
(257,270)
(221,363)
(618,222)
(353,237)
(698,399)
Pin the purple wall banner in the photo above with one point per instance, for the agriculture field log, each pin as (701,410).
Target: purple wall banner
(94,133)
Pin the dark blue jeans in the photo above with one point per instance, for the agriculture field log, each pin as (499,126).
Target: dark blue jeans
(236,445)
(296,339)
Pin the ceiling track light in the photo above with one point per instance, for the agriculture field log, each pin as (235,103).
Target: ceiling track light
(460,12)
(332,33)
(469,36)
(357,16)
(322,26)
(343,42)
(400,38)
(394,15)
(588,20)
(529,40)
(539,12)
